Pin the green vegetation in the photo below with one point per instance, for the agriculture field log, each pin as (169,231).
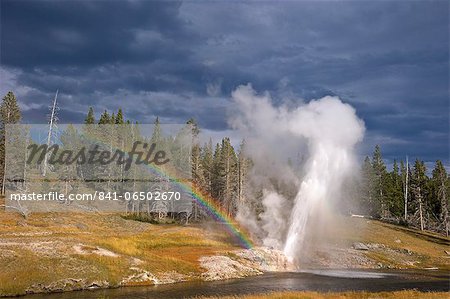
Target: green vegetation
(381,193)
(9,114)
(221,171)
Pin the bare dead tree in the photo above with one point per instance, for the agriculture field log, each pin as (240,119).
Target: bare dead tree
(406,190)
(52,130)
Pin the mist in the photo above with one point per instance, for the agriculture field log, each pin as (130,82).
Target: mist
(308,149)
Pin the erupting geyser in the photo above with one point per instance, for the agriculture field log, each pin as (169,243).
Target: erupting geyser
(326,130)
(332,129)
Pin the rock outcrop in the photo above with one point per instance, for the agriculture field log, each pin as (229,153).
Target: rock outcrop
(243,263)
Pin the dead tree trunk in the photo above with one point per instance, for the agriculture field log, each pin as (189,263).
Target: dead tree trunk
(51,130)
(406,191)
(420,210)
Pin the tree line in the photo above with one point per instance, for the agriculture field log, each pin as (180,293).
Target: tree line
(406,194)
(217,170)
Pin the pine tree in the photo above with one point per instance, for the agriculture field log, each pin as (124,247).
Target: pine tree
(228,168)
(9,110)
(89,126)
(418,187)
(379,171)
(394,191)
(195,129)
(441,194)
(104,118)
(216,174)
(367,188)
(405,173)
(157,134)
(70,140)
(119,117)
(243,168)
(197,172)
(196,165)
(90,118)
(207,163)
(395,175)
(9,114)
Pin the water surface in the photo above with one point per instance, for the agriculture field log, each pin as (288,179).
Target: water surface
(314,280)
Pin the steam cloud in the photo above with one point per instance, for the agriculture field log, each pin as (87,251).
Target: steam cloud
(324,132)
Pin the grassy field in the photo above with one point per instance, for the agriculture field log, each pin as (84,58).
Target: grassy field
(346,295)
(66,251)
(391,246)
(99,248)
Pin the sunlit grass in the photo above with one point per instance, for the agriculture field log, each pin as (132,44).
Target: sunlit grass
(27,268)
(427,248)
(152,248)
(344,295)
(158,248)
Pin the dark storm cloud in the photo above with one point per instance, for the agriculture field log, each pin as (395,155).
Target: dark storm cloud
(77,33)
(175,60)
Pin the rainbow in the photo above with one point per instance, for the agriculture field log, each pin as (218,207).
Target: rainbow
(210,205)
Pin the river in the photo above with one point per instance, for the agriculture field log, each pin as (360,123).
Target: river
(314,280)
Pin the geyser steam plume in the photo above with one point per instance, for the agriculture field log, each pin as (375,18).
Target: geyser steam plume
(325,131)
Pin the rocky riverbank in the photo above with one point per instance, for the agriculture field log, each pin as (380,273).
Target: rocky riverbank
(232,264)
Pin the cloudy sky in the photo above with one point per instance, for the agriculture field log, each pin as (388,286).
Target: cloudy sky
(177,60)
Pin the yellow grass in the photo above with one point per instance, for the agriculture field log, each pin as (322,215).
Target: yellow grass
(158,248)
(427,248)
(40,249)
(345,295)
